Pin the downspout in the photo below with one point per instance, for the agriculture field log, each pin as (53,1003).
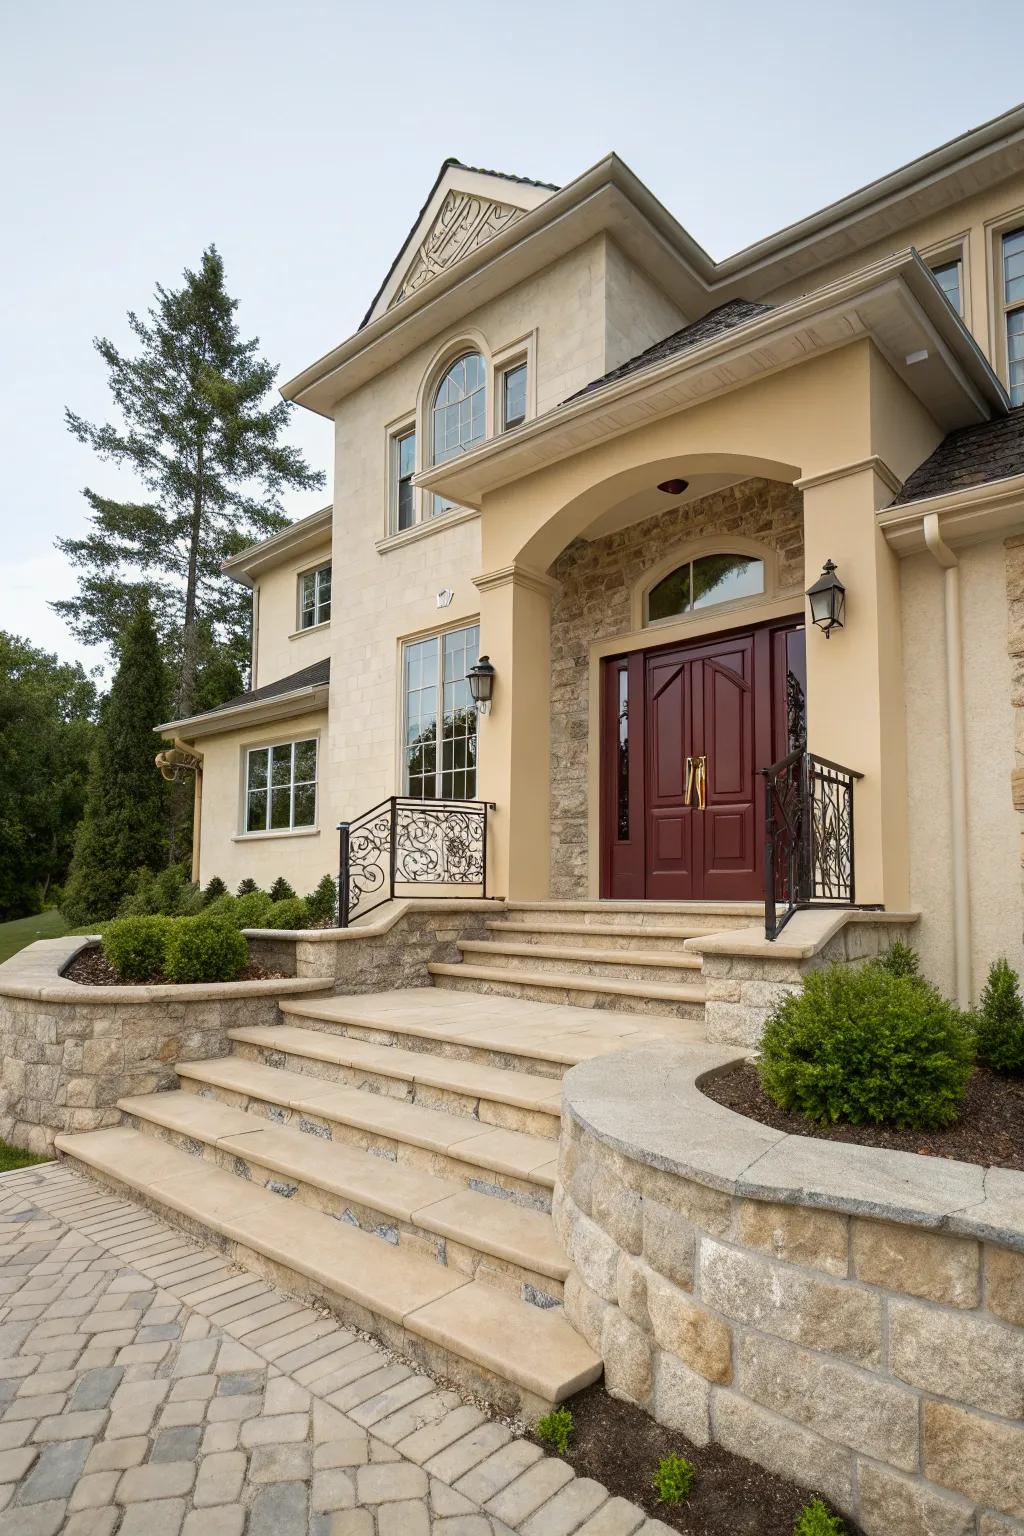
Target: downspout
(942,553)
(197,806)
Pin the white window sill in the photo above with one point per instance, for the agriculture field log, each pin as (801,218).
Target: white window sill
(422,530)
(256,837)
(311,629)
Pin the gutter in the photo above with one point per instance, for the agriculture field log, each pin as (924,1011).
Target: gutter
(312,694)
(947,559)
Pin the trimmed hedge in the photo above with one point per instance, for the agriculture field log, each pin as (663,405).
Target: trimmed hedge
(290,913)
(136,946)
(199,949)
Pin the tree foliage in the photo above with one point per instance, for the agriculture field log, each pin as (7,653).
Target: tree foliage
(197,434)
(124,826)
(47,710)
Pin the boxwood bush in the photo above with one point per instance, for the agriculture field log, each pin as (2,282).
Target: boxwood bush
(999,1021)
(323,903)
(290,913)
(201,949)
(868,1046)
(135,946)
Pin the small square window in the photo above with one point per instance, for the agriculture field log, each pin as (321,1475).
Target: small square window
(315,597)
(513,398)
(949,276)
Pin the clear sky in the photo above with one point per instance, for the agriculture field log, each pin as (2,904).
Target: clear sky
(302,139)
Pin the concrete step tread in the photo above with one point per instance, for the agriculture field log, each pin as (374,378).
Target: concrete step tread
(535,1349)
(511,1152)
(522,1089)
(679,931)
(426,1200)
(566,982)
(587,956)
(510,1026)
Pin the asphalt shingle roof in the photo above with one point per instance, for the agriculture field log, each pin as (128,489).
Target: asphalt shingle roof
(992,450)
(725,318)
(307,677)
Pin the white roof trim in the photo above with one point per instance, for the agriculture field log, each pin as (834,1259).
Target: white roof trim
(288,544)
(279,706)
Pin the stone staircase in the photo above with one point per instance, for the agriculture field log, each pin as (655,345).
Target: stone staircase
(393,1155)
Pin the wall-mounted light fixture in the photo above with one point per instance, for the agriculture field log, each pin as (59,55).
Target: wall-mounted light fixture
(827,598)
(481,683)
(673,487)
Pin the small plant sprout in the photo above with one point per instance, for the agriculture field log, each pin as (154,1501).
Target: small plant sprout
(556,1428)
(815,1520)
(673,1479)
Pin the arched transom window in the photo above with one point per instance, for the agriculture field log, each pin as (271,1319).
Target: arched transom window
(704,581)
(459,418)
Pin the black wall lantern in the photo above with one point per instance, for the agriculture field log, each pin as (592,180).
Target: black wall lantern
(481,683)
(827,598)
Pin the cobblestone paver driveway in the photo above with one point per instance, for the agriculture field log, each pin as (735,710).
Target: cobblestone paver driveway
(149,1387)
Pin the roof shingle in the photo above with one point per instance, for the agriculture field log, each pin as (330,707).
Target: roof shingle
(992,450)
(317,673)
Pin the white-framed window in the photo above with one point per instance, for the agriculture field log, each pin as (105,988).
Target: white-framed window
(513,396)
(315,596)
(950,277)
(703,582)
(403,467)
(439,736)
(458,414)
(1012,275)
(280,786)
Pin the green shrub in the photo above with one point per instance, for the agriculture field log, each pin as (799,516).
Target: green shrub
(866,1046)
(201,950)
(900,960)
(222,907)
(999,1021)
(136,946)
(673,1479)
(215,888)
(281,890)
(246,886)
(251,910)
(556,1429)
(322,903)
(291,913)
(815,1520)
(168,892)
(171,889)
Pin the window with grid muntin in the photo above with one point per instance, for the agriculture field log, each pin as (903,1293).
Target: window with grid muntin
(459,414)
(440,745)
(315,597)
(280,786)
(1013,302)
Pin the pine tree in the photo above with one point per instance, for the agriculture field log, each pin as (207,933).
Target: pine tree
(199,435)
(281,890)
(1000,1021)
(124,825)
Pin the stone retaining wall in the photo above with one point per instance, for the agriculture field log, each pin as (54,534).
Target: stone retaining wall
(387,951)
(879,1361)
(69,1052)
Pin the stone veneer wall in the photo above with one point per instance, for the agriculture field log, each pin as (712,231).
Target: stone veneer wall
(596,578)
(392,952)
(874,1361)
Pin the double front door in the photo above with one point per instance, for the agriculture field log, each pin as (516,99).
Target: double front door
(686,731)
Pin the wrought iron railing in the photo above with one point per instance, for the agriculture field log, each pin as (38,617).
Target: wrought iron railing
(405,843)
(809,852)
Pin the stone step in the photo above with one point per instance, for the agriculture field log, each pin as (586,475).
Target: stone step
(437,1218)
(506,1163)
(623,964)
(710,916)
(646,997)
(669,938)
(522,1357)
(514,1101)
(542,1038)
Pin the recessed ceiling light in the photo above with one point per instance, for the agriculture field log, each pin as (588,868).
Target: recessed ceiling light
(673,487)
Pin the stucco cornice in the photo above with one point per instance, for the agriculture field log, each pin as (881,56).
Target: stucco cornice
(517,575)
(873,463)
(289,544)
(282,706)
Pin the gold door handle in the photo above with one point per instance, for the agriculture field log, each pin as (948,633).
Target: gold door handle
(701,764)
(690,772)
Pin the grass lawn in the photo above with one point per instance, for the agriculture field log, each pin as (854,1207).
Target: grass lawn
(14,1157)
(25,930)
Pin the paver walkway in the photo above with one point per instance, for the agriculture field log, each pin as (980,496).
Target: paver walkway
(149,1387)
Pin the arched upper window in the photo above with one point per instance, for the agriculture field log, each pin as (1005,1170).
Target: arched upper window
(459,414)
(701,582)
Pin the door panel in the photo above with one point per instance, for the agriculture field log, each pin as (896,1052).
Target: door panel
(670,822)
(731,848)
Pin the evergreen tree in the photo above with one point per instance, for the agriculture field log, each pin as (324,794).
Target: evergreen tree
(1000,1021)
(200,437)
(124,825)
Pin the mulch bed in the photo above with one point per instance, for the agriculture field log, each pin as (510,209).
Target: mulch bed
(989,1130)
(620,1446)
(92,969)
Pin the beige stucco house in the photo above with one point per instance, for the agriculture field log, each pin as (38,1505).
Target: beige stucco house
(569,439)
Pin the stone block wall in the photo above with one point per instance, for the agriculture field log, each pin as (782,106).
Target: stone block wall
(395,951)
(874,1361)
(597,578)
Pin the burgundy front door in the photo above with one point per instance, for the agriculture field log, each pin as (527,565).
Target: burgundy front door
(686,731)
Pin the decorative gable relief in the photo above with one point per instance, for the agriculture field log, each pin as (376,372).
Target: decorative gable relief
(463,224)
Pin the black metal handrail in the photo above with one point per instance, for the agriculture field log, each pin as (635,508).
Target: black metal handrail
(407,842)
(809,850)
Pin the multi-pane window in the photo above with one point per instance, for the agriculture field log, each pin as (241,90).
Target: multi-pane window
(280,786)
(949,276)
(315,597)
(513,399)
(440,716)
(458,419)
(1013,304)
(405,468)
(703,582)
